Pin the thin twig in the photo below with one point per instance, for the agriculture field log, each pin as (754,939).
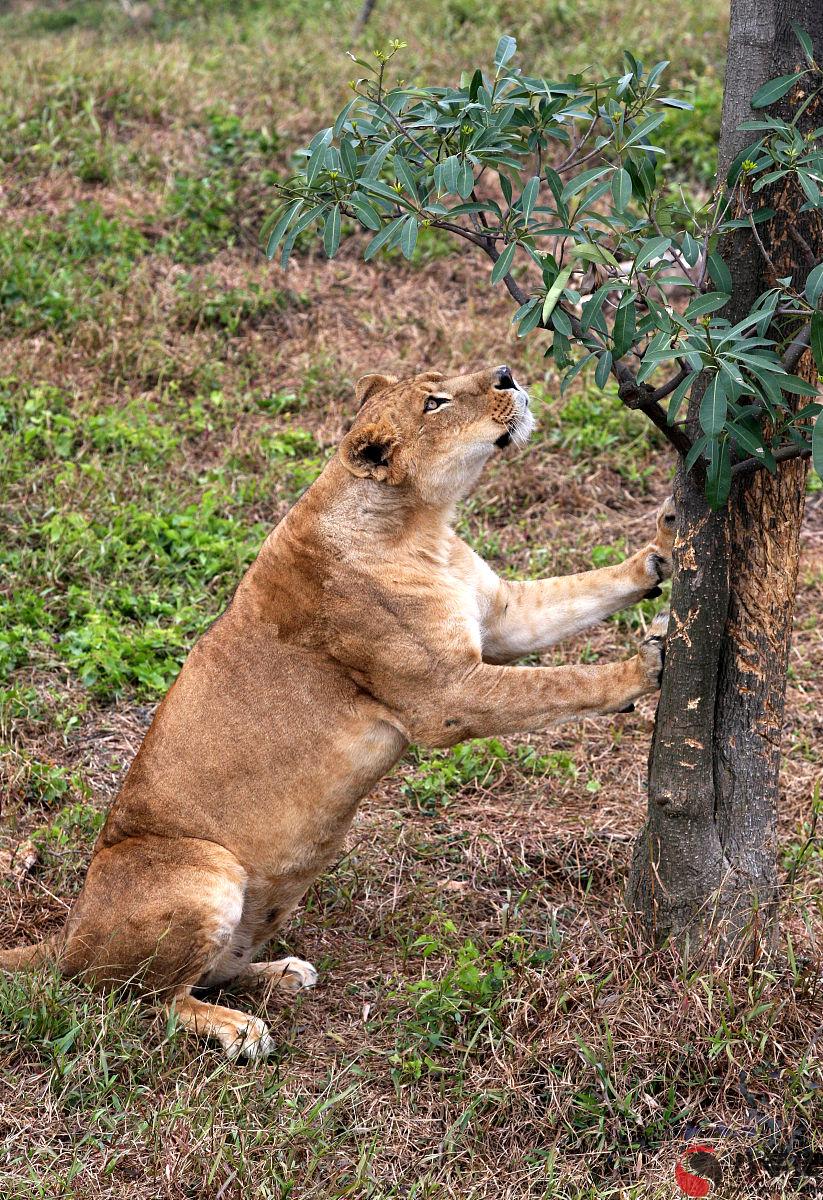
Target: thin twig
(399,126)
(666,389)
(761,247)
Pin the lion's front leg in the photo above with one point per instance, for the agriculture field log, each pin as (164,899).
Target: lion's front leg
(529,617)
(492,701)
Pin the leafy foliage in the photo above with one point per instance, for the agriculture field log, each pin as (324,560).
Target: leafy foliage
(558,183)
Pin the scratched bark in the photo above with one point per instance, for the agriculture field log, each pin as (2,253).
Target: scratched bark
(706,859)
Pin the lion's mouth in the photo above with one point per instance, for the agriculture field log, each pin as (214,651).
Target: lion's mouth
(520,422)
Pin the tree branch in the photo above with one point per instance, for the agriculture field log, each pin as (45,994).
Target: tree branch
(641,396)
(784,454)
(797,348)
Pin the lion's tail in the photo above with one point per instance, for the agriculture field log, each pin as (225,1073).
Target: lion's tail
(23,957)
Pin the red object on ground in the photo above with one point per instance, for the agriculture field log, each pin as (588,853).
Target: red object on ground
(697,1185)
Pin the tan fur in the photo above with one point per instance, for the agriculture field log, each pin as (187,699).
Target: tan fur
(364,624)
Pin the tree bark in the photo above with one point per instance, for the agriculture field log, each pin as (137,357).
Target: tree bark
(705,863)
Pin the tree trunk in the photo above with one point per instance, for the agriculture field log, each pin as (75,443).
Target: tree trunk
(705,862)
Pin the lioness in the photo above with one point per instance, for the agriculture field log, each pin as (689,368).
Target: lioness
(364,624)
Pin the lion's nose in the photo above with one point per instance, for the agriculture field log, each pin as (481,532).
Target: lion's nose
(503,378)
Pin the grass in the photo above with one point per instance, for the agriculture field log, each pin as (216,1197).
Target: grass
(487,1022)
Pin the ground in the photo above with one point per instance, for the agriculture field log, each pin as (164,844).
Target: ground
(487,1021)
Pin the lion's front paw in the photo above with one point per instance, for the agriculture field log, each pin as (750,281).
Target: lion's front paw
(652,653)
(659,557)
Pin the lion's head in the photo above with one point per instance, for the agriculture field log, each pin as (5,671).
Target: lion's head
(433,435)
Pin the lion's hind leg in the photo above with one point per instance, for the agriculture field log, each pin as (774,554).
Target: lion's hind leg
(165,914)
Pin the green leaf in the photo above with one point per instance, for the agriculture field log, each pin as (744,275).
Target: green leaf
(560,350)
(772,91)
(643,175)
(554,293)
(817,339)
(317,160)
(574,371)
(621,189)
(592,307)
(331,232)
(446,174)
(810,188)
(408,239)
(624,325)
(651,249)
(465,180)
(695,452)
(709,303)
(561,322)
(645,126)
(731,371)
(342,117)
(348,155)
(594,252)
(385,235)
(529,316)
(375,164)
(817,447)
(805,42)
(814,285)
(529,197)
(788,383)
(796,385)
(379,188)
(578,182)
(367,214)
(404,175)
(677,397)
(713,407)
(604,366)
(670,102)
(504,262)
(690,249)
(297,228)
(720,273)
(277,234)
(754,444)
(506,49)
(718,474)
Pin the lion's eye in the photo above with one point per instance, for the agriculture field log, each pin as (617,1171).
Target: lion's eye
(434,402)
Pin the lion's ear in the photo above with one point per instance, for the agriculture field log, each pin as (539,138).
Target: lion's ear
(370,451)
(434,376)
(370,385)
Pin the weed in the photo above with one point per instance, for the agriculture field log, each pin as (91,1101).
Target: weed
(441,774)
(460,1012)
(37,783)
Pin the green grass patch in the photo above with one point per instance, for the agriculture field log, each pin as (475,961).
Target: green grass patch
(53,272)
(204,207)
